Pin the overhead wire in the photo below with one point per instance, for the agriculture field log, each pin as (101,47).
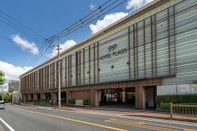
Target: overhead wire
(85,20)
(62,34)
(22,25)
(20,31)
(80,19)
(72,28)
(42,49)
(27,31)
(92,20)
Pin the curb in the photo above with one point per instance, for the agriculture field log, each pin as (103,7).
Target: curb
(166,118)
(158,117)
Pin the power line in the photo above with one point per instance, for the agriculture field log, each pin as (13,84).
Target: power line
(27,31)
(82,22)
(20,31)
(92,20)
(21,24)
(74,27)
(85,20)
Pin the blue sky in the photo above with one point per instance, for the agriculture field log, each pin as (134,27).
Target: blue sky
(46,18)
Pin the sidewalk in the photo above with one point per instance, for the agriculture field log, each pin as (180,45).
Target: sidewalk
(123,112)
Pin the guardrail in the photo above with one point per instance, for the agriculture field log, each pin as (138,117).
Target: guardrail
(184,110)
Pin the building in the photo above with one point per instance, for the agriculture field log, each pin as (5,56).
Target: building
(16,97)
(151,52)
(13,85)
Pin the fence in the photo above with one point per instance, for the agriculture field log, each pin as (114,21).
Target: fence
(184,110)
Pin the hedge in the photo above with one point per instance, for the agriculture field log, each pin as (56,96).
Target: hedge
(72,101)
(86,102)
(163,101)
(43,102)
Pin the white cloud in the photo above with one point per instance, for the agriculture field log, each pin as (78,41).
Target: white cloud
(92,7)
(25,45)
(12,72)
(107,20)
(66,45)
(136,4)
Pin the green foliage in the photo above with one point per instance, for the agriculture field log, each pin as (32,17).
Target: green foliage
(2,79)
(165,106)
(177,99)
(30,101)
(36,102)
(43,102)
(86,102)
(72,101)
(7,96)
(163,101)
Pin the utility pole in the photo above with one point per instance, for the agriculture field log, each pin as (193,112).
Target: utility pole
(59,88)
(2,93)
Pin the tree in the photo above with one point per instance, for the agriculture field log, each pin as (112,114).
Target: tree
(2,79)
(8,96)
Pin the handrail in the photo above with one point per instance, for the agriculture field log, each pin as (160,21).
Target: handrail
(183,110)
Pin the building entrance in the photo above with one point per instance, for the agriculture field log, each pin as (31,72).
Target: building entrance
(63,98)
(119,95)
(111,95)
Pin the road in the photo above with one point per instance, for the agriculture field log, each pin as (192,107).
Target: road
(24,118)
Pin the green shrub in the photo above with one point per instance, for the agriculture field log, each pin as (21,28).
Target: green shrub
(72,101)
(30,101)
(165,106)
(177,99)
(45,100)
(163,101)
(36,102)
(86,102)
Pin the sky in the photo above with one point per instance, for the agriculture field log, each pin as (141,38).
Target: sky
(26,25)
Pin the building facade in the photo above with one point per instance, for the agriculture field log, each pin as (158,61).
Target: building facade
(147,53)
(13,85)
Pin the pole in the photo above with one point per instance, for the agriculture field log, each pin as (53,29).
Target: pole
(59,89)
(171,112)
(2,95)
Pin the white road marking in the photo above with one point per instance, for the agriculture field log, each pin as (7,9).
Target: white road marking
(141,118)
(9,127)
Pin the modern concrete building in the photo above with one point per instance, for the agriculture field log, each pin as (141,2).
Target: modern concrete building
(13,85)
(150,52)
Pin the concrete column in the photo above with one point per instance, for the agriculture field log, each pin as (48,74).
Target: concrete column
(43,96)
(24,98)
(97,98)
(67,97)
(92,96)
(33,97)
(123,95)
(140,98)
(28,98)
(40,96)
(52,98)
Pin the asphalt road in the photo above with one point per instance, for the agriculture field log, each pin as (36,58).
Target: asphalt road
(23,118)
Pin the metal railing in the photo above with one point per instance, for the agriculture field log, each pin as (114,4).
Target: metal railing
(184,110)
